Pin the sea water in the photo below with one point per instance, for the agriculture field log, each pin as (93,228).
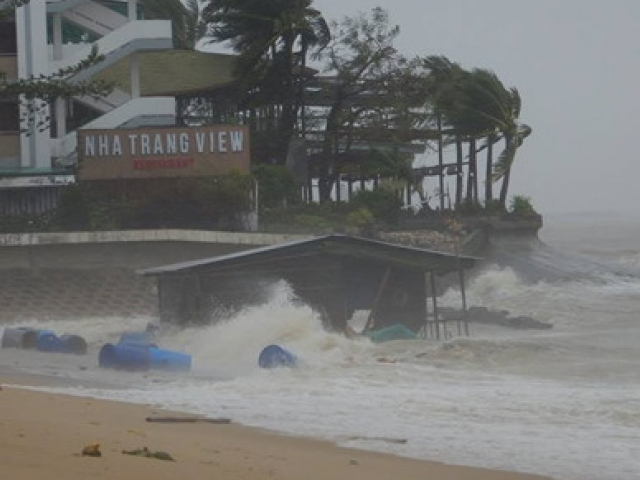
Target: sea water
(563,402)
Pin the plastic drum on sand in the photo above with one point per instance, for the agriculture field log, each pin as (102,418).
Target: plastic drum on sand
(169,360)
(15,337)
(47,341)
(124,356)
(275,356)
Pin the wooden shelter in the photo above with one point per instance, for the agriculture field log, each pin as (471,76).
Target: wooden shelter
(334,274)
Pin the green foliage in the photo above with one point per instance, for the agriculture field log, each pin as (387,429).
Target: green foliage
(26,223)
(313,222)
(383,203)
(212,202)
(276,186)
(493,207)
(361,218)
(521,206)
(73,208)
(469,208)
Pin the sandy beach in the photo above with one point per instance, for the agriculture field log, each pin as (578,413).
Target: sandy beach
(42,436)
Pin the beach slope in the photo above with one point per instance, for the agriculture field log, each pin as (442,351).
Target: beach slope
(42,436)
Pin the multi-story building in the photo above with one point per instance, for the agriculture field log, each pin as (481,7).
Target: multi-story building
(45,36)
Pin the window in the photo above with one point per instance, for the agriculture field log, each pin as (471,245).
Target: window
(8,38)
(9,117)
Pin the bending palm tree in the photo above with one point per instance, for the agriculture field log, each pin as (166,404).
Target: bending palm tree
(476,104)
(266,34)
(514,134)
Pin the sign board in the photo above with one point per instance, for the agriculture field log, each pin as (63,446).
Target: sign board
(162,152)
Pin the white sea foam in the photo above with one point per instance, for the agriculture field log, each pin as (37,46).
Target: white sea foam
(562,402)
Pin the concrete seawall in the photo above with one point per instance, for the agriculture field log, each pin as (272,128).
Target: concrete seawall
(86,274)
(93,274)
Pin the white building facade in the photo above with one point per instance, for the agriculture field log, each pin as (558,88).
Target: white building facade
(45,36)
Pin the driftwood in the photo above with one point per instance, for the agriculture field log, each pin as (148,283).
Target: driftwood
(145,452)
(380,439)
(187,420)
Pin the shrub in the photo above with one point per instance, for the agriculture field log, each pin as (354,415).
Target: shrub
(383,203)
(521,206)
(360,218)
(276,186)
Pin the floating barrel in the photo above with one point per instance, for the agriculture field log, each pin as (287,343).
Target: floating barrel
(169,360)
(16,337)
(43,340)
(275,356)
(47,341)
(123,356)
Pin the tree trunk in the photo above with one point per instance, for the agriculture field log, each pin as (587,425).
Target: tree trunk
(488,185)
(459,173)
(440,163)
(504,188)
(471,171)
(288,114)
(325,181)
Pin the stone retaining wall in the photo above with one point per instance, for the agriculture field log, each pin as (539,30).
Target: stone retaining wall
(93,274)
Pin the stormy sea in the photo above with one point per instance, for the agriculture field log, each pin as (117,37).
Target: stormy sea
(564,401)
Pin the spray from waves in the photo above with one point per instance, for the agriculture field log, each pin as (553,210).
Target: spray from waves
(593,310)
(535,261)
(231,346)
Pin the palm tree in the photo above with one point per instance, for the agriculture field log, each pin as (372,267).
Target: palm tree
(447,80)
(186,22)
(494,111)
(266,35)
(476,105)
(514,134)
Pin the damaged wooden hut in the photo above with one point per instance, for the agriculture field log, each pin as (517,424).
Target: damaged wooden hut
(336,275)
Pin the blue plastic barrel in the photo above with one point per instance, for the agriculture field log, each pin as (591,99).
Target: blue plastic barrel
(123,356)
(162,359)
(15,337)
(47,341)
(30,339)
(142,338)
(275,356)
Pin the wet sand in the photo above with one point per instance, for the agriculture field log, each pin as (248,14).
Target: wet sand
(42,436)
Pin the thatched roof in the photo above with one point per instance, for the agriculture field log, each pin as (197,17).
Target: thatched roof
(173,72)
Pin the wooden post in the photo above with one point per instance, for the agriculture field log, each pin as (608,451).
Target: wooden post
(464,303)
(440,163)
(381,286)
(434,297)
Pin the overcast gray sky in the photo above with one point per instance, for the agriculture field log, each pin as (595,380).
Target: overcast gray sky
(576,64)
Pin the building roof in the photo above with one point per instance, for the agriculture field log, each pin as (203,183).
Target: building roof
(338,245)
(173,72)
